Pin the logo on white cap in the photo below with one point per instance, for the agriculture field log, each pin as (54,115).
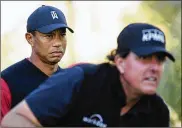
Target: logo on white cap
(149,34)
(54,15)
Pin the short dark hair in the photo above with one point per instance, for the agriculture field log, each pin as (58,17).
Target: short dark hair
(32,32)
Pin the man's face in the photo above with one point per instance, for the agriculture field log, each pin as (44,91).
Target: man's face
(143,74)
(50,47)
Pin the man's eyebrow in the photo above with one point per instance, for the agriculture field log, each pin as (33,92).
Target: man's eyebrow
(50,32)
(53,32)
(63,30)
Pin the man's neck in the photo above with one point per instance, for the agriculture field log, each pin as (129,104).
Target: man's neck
(48,69)
(131,94)
(132,97)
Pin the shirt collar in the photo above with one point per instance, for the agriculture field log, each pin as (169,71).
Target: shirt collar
(142,106)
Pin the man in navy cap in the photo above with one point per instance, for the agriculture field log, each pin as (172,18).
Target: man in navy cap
(117,94)
(46,33)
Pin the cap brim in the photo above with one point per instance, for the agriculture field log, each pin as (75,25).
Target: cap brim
(144,51)
(52,27)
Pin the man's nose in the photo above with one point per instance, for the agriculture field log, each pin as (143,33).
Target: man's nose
(57,41)
(155,65)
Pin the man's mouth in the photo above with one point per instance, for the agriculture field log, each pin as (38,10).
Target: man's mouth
(57,53)
(151,78)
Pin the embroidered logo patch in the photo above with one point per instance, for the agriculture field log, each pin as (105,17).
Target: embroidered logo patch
(96,120)
(152,34)
(54,15)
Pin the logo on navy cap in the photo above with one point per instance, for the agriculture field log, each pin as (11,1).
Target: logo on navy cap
(152,34)
(54,15)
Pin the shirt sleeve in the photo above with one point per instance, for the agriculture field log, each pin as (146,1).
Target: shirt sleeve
(54,97)
(5,98)
(77,64)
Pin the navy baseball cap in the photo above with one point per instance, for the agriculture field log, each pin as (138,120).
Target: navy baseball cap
(143,39)
(46,19)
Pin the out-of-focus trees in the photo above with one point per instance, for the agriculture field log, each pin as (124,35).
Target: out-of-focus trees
(170,87)
(6,48)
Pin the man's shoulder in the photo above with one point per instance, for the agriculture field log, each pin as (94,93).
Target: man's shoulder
(157,98)
(91,69)
(14,67)
(87,68)
(158,102)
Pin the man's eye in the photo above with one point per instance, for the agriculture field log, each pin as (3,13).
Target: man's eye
(161,58)
(48,35)
(143,57)
(63,34)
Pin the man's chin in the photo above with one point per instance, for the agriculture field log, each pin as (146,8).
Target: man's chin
(55,61)
(150,92)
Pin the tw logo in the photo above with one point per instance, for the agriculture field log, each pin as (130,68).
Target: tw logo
(54,15)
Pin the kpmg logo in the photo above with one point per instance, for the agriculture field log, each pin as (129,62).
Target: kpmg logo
(152,34)
(95,119)
(54,15)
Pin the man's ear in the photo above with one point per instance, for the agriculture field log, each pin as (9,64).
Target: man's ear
(29,38)
(120,64)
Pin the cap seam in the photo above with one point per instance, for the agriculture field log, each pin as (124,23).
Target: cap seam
(51,24)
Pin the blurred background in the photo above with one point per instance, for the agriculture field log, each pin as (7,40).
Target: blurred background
(97,25)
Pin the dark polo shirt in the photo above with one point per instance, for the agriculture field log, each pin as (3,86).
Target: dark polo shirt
(150,111)
(92,95)
(22,78)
